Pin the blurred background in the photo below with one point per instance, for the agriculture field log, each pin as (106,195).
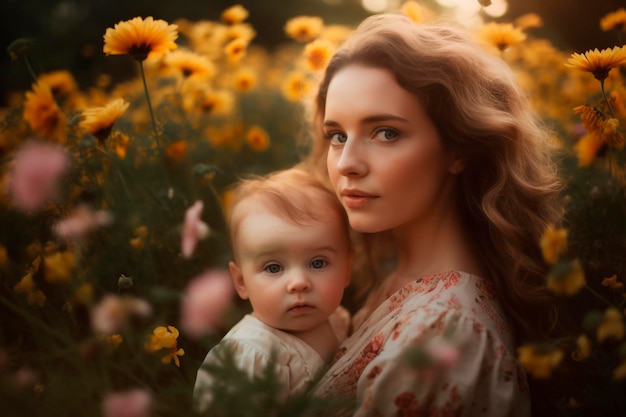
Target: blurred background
(73,29)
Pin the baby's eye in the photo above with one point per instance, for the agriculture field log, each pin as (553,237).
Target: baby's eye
(386,134)
(318,263)
(272,268)
(336,138)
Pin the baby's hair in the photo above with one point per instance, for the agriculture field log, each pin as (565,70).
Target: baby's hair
(294,193)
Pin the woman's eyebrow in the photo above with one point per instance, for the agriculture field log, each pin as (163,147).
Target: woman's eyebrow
(372,119)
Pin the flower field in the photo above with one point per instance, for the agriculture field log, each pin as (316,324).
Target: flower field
(112,198)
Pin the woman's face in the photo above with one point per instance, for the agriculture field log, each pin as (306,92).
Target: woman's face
(385,160)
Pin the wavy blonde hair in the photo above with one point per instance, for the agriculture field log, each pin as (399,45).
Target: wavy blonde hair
(509,188)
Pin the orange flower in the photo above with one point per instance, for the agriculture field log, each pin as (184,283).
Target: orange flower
(234,14)
(614,20)
(304,28)
(553,243)
(235,50)
(99,121)
(258,139)
(501,35)
(318,53)
(177,150)
(539,361)
(296,86)
(190,64)
(587,148)
(244,80)
(43,114)
(566,278)
(612,283)
(599,63)
(141,38)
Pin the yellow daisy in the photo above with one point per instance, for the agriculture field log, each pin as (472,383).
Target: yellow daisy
(304,28)
(235,50)
(588,148)
(296,86)
(141,38)
(43,114)
(258,139)
(583,348)
(190,64)
(611,326)
(613,284)
(599,63)
(539,361)
(234,14)
(528,21)
(553,243)
(99,121)
(605,129)
(501,35)
(217,102)
(614,20)
(61,83)
(566,278)
(244,80)
(318,54)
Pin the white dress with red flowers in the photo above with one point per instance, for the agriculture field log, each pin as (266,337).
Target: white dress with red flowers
(439,346)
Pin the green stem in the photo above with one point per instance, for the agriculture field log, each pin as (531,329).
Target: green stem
(30,68)
(118,172)
(606,99)
(154,125)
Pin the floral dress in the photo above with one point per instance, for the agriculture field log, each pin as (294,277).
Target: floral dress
(439,346)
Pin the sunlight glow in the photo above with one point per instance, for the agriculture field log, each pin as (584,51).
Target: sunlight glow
(375,6)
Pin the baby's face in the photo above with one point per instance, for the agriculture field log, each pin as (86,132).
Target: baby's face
(294,275)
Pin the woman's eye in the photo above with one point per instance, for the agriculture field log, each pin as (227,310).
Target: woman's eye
(318,263)
(273,268)
(386,134)
(336,138)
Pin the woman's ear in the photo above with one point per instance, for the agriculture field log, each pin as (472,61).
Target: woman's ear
(237,276)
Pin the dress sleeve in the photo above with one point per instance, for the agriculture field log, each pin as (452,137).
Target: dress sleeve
(253,360)
(455,367)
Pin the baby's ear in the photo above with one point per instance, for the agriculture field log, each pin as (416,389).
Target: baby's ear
(237,276)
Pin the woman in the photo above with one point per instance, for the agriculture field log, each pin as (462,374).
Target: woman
(426,139)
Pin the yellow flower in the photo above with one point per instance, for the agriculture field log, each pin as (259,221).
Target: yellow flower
(162,338)
(84,294)
(296,86)
(612,325)
(318,53)
(605,129)
(583,349)
(599,63)
(304,28)
(61,83)
(539,361)
(528,21)
(43,114)
(27,287)
(258,139)
(587,148)
(501,35)
(553,243)
(173,353)
(614,20)
(566,278)
(235,50)
(190,64)
(141,38)
(110,342)
(415,11)
(99,121)
(234,14)
(612,283)
(58,266)
(244,80)
(217,102)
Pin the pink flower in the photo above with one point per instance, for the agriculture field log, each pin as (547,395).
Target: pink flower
(82,221)
(133,403)
(36,169)
(113,312)
(194,229)
(206,299)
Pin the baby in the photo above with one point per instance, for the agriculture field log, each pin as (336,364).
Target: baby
(292,260)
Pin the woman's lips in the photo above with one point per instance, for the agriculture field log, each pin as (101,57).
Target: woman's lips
(356,199)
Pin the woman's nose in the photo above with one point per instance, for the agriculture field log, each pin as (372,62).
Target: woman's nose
(351,161)
(298,282)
